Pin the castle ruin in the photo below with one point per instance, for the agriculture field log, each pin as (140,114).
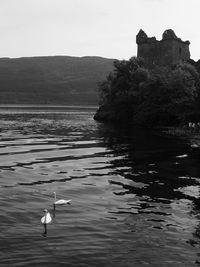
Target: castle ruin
(169,50)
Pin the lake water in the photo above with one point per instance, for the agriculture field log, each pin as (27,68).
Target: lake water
(135,193)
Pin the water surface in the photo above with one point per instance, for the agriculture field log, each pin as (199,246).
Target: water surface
(135,193)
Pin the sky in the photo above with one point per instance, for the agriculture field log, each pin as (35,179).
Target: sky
(105,28)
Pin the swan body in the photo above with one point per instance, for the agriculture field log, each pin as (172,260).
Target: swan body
(46,218)
(182,156)
(60,201)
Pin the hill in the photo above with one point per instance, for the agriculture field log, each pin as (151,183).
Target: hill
(52,80)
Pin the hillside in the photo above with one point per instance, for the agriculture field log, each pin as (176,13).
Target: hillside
(52,80)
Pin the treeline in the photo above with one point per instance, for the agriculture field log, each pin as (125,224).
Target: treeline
(161,96)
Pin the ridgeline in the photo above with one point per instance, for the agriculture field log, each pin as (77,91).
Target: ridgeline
(52,80)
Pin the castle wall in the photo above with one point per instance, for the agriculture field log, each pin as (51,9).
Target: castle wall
(167,51)
(180,51)
(150,52)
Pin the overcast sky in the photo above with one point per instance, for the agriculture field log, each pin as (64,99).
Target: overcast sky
(92,27)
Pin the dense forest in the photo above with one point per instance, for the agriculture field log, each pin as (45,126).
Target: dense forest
(161,96)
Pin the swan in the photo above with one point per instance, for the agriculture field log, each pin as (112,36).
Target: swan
(182,156)
(46,218)
(60,201)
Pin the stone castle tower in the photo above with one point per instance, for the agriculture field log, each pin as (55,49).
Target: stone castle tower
(169,50)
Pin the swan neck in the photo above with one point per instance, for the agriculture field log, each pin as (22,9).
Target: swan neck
(45,217)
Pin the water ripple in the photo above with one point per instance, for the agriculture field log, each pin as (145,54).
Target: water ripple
(135,194)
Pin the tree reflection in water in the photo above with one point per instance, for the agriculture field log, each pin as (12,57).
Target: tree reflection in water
(152,168)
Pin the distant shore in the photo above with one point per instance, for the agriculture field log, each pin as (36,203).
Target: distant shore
(45,106)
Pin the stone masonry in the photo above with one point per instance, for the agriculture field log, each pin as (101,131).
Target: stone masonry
(169,50)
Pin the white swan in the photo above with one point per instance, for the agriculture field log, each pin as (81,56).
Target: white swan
(60,201)
(46,218)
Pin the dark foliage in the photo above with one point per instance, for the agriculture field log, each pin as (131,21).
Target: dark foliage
(162,96)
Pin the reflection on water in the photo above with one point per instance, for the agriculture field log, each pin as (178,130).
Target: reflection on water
(135,193)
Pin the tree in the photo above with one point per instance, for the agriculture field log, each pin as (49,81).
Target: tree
(168,95)
(163,95)
(124,81)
